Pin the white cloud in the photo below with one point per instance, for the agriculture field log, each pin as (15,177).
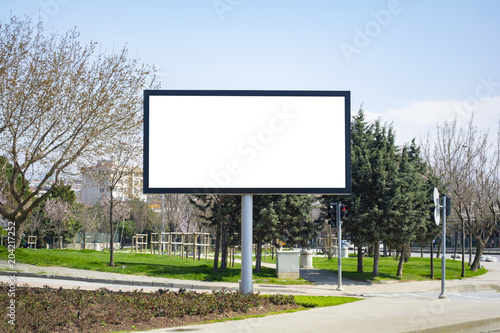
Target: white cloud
(419,118)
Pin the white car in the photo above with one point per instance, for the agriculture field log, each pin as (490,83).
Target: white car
(488,259)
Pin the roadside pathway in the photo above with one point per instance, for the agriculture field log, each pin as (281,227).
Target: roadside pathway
(473,304)
(324,282)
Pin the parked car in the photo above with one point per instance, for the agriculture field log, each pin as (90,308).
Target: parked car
(347,243)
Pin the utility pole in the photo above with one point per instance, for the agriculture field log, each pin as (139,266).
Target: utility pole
(445,209)
(339,244)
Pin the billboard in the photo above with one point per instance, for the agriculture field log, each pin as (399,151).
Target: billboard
(246,142)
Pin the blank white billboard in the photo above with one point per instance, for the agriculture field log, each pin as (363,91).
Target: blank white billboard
(246,142)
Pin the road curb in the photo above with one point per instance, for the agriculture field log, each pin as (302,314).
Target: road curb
(154,284)
(483,325)
(469,287)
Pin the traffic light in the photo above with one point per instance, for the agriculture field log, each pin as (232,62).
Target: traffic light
(343,212)
(333,214)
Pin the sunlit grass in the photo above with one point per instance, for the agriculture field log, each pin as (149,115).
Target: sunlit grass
(416,269)
(141,264)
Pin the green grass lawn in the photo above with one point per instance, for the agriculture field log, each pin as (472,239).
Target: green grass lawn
(188,269)
(320,301)
(268,260)
(304,301)
(141,264)
(417,269)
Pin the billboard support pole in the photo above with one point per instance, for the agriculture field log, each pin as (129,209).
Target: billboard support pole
(162,223)
(246,243)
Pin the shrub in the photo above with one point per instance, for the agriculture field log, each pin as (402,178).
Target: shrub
(47,310)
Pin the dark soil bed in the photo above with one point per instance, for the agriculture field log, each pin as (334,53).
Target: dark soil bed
(75,310)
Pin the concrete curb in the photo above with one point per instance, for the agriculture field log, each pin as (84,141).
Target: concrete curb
(483,325)
(470,287)
(154,284)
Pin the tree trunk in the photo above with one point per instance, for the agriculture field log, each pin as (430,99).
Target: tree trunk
(470,248)
(376,257)
(223,260)
(121,238)
(360,258)
(385,250)
(401,261)
(439,249)
(330,241)
(432,259)
(111,250)
(477,259)
(463,249)
(217,247)
(258,257)
(407,253)
(233,250)
(20,225)
(421,251)
(456,241)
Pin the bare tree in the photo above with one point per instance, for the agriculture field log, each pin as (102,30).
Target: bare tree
(86,217)
(176,206)
(144,217)
(120,176)
(60,101)
(485,199)
(58,212)
(38,223)
(35,220)
(139,214)
(468,163)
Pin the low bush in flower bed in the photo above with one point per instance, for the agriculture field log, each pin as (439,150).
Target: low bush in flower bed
(75,310)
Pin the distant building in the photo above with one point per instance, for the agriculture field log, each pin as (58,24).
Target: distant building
(76,186)
(35,183)
(96,181)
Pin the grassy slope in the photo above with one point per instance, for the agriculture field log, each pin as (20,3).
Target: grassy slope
(139,264)
(188,269)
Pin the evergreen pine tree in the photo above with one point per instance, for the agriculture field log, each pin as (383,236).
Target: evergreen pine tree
(224,213)
(265,225)
(411,202)
(354,226)
(296,225)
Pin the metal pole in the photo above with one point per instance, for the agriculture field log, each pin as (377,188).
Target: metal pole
(162,223)
(339,244)
(443,260)
(246,243)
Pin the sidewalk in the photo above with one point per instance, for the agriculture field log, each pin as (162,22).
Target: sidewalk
(324,282)
(473,304)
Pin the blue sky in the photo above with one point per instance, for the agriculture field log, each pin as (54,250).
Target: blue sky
(413,63)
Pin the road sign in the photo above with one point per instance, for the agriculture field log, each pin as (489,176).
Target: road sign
(437,210)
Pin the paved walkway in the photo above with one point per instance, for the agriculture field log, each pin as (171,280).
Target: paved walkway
(473,304)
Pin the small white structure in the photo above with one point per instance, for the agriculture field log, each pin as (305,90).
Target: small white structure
(287,265)
(306,259)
